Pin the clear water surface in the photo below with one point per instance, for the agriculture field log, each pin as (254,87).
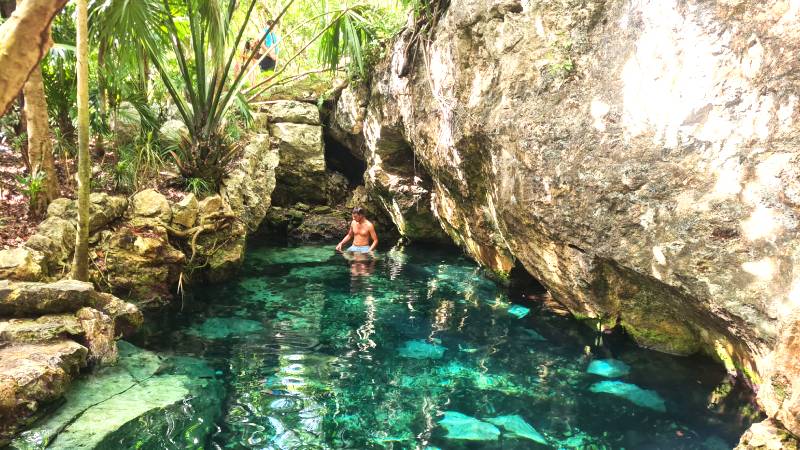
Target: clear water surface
(416,349)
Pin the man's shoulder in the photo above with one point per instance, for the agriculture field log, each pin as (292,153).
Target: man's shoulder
(369,224)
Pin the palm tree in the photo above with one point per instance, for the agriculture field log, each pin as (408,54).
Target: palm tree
(80,262)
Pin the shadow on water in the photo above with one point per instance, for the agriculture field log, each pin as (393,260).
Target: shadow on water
(416,348)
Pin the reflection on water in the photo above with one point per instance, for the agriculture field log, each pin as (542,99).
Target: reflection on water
(415,348)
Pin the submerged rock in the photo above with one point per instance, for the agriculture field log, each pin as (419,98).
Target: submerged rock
(223,327)
(136,404)
(419,349)
(609,368)
(461,426)
(634,394)
(518,427)
(519,311)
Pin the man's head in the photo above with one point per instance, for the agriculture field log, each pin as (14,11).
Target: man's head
(271,24)
(358,214)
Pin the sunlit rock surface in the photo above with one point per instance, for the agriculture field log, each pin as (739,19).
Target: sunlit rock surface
(48,333)
(639,158)
(139,403)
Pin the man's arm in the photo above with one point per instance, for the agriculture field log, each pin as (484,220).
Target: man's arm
(346,238)
(374,237)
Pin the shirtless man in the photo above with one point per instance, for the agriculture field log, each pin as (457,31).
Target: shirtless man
(361,230)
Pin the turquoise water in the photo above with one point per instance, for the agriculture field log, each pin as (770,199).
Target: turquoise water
(415,348)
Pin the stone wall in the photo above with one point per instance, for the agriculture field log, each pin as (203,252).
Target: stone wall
(640,158)
(143,248)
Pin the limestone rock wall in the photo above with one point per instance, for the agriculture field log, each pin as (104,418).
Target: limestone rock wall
(639,157)
(144,247)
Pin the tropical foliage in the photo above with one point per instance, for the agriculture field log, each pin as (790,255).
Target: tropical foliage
(172,89)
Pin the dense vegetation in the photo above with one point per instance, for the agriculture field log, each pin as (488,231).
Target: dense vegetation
(172,86)
(156,61)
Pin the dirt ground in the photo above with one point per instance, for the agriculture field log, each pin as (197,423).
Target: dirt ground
(15,224)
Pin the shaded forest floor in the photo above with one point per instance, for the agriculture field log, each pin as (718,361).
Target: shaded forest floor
(15,223)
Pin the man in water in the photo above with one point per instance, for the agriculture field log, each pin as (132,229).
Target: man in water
(269,61)
(361,230)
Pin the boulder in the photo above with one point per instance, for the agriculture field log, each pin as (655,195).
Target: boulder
(151,204)
(98,336)
(126,316)
(33,374)
(209,205)
(64,297)
(184,213)
(767,435)
(55,241)
(103,210)
(347,119)
(21,263)
(279,221)
(139,264)
(321,227)
(336,188)
(223,252)
(300,175)
(292,111)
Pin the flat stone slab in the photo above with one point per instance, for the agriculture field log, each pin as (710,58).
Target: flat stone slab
(634,394)
(463,427)
(609,368)
(144,395)
(517,427)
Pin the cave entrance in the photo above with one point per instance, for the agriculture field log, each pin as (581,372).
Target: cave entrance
(342,160)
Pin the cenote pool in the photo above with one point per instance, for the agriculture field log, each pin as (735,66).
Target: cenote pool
(417,349)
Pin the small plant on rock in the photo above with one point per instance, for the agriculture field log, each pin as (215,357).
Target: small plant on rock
(198,186)
(32,187)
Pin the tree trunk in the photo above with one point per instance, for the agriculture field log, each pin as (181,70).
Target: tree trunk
(7,8)
(24,40)
(40,146)
(99,145)
(80,262)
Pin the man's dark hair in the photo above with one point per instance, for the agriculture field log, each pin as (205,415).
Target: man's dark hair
(359,211)
(270,23)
